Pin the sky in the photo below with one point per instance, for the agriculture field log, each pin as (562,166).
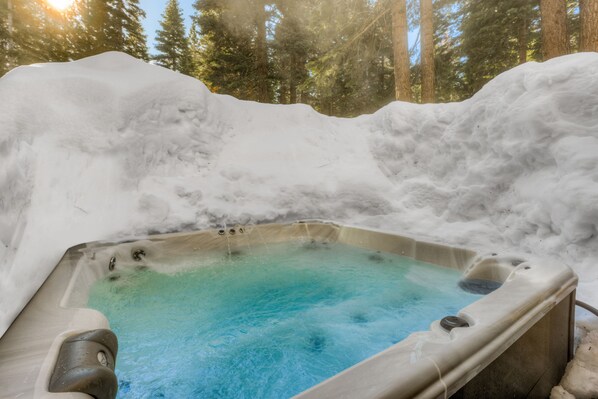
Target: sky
(155,8)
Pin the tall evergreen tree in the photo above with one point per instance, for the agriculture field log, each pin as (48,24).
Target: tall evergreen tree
(101,27)
(135,40)
(335,55)
(115,29)
(223,59)
(58,34)
(37,32)
(522,40)
(292,47)
(172,42)
(448,64)
(351,71)
(490,38)
(196,49)
(27,32)
(6,39)
(232,56)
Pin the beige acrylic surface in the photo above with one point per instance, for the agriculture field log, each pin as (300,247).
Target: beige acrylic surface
(427,364)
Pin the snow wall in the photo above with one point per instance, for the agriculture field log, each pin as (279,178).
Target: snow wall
(110,147)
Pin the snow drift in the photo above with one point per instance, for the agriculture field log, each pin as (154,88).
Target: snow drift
(110,147)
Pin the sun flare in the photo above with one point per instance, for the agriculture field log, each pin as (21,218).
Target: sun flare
(60,4)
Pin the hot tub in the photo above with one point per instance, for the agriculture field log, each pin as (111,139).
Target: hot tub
(517,342)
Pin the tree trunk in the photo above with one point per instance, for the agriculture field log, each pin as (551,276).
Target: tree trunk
(381,77)
(261,56)
(283,97)
(293,80)
(292,92)
(427,50)
(522,36)
(303,97)
(401,50)
(589,25)
(555,41)
(9,15)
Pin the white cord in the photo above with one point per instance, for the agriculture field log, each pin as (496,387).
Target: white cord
(441,380)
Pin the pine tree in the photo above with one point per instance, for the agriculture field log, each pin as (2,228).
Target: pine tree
(195,49)
(292,47)
(115,28)
(6,39)
(172,41)
(101,27)
(490,38)
(449,77)
(351,70)
(230,48)
(522,34)
(37,32)
(58,34)
(109,25)
(27,32)
(135,40)
(32,31)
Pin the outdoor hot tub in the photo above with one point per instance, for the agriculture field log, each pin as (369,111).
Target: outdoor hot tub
(509,335)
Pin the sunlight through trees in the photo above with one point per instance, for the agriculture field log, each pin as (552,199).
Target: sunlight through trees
(343,57)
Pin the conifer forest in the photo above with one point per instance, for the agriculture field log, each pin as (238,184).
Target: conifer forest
(342,57)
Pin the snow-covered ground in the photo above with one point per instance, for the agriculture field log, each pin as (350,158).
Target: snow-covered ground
(581,376)
(111,147)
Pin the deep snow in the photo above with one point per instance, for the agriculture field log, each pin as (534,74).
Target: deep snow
(110,147)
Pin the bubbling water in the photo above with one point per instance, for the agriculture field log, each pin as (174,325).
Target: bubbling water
(268,323)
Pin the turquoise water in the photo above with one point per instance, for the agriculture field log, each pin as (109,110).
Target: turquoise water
(266,323)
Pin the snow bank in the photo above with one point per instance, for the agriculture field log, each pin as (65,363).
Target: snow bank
(581,375)
(111,147)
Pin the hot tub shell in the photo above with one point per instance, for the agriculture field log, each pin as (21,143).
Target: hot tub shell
(518,343)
